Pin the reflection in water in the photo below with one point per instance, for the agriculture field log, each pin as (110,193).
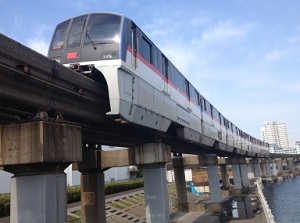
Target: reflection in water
(242,207)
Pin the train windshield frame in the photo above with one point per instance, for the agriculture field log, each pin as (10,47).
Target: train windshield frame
(76,30)
(59,35)
(103,28)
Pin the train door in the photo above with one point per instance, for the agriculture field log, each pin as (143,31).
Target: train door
(134,49)
(165,68)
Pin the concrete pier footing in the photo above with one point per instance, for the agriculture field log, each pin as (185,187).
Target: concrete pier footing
(37,154)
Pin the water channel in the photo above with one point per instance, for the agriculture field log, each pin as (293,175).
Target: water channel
(284,199)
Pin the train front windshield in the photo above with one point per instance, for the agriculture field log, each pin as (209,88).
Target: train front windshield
(103,29)
(86,33)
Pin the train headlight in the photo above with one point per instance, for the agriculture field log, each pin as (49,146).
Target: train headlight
(116,39)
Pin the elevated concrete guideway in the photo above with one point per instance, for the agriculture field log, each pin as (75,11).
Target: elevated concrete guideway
(32,87)
(51,117)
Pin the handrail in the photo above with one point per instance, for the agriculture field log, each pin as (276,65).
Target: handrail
(264,203)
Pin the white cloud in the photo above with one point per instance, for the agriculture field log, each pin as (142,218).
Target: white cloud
(38,45)
(292,87)
(159,27)
(275,55)
(225,30)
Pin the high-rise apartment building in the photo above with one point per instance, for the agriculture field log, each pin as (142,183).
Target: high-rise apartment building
(275,133)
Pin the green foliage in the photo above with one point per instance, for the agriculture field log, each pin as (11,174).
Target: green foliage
(111,188)
(73,193)
(4,205)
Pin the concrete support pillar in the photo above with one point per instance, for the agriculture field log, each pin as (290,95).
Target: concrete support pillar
(211,161)
(37,154)
(214,184)
(274,168)
(249,169)
(234,162)
(268,169)
(156,194)
(279,167)
(263,171)
(256,167)
(236,176)
(153,157)
(224,175)
(38,198)
(92,187)
(180,183)
(92,197)
(244,173)
(291,165)
(240,176)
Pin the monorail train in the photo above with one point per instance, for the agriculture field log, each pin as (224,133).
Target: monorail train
(145,88)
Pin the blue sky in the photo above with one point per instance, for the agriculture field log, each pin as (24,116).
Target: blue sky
(243,56)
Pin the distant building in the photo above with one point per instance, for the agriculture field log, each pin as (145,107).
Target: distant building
(290,151)
(275,149)
(276,134)
(298,147)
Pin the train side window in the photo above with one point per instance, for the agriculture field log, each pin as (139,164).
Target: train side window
(155,58)
(211,111)
(134,37)
(220,118)
(197,97)
(187,88)
(204,104)
(159,62)
(146,50)
(171,72)
(165,66)
(179,80)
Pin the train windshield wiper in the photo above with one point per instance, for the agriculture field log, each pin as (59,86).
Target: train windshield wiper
(90,39)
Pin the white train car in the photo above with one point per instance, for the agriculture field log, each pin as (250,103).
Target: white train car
(144,87)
